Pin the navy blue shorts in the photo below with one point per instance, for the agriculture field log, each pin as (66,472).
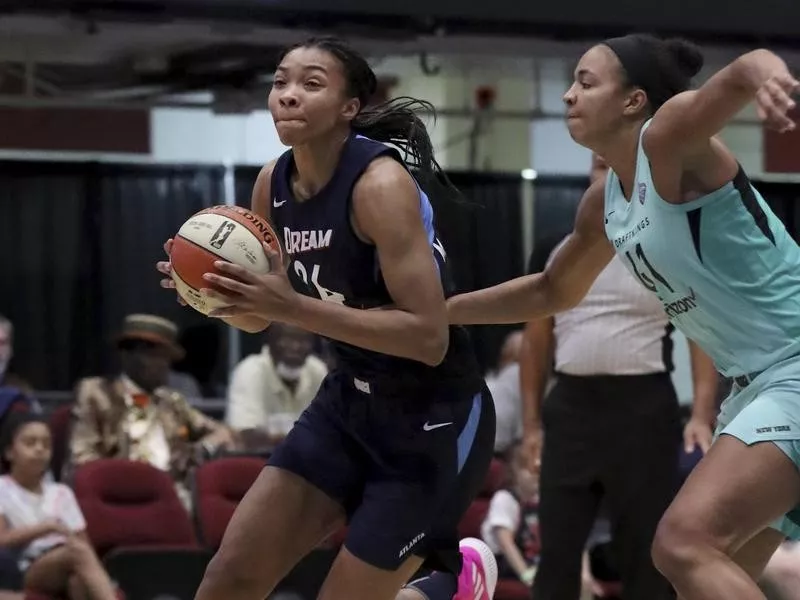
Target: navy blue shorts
(405,469)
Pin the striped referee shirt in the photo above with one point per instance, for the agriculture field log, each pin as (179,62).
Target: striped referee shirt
(619,328)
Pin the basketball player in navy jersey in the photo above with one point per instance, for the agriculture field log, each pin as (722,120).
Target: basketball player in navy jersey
(398,441)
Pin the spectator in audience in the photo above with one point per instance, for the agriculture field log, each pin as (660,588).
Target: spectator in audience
(511,527)
(42,521)
(8,378)
(505,387)
(609,430)
(269,390)
(136,416)
(15,393)
(185,384)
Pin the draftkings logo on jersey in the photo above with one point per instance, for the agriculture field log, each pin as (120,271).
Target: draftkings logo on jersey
(297,242)
(626,237)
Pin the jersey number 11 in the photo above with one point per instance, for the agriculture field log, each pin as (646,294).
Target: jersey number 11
(648,280)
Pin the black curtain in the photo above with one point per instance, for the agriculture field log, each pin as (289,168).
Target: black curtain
(46,270)
(556,201)
(86,239)
(82,240)
(244,180)
(139,207)
(481,232)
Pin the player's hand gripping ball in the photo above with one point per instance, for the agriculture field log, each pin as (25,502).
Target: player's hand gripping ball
(219,236)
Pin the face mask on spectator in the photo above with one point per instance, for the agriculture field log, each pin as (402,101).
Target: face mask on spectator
(287,372)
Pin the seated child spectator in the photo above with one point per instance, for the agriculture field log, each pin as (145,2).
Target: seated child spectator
(511,527)
(41,521)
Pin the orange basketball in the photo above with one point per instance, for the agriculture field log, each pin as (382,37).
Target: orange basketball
(229,233)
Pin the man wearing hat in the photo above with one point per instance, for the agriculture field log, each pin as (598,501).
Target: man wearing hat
(136,416)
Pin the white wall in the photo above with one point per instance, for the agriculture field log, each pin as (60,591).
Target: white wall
(182,135)
(554,152)
(199,136)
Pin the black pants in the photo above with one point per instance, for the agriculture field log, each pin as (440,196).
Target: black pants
(615,440)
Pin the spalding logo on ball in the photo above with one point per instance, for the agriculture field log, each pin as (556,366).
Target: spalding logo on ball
(228,233)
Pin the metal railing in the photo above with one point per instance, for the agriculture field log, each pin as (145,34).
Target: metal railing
(51,399)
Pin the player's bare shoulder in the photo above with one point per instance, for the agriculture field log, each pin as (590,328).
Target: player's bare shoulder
(590,220)
(383,175)
(385,192)
(260,198)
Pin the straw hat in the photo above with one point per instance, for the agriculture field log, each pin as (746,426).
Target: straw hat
(151,328)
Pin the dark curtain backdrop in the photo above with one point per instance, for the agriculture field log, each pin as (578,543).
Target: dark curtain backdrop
(82,240)
(244,179)
(556,201)
(46,270)
(86,238)
(483,238)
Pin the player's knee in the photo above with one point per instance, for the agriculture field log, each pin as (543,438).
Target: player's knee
(409,594)
(81,553)
(784,567)
(677,544)
(227,578)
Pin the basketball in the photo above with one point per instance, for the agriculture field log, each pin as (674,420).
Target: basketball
(229,233)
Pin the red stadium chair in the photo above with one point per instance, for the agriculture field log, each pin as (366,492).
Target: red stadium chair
(219,486)
(138,525)
(60,427)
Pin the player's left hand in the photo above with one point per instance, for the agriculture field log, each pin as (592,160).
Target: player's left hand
(269,296)
(697,433)
(774,101)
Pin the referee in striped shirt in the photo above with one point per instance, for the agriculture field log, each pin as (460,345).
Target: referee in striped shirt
(609,430)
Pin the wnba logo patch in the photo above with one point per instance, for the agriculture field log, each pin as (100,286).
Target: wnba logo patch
(642,192)
(222,234)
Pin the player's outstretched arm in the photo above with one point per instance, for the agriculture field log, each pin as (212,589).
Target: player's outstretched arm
(563,283)
(683,126)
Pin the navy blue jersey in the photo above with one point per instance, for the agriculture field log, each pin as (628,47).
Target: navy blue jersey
(330,262)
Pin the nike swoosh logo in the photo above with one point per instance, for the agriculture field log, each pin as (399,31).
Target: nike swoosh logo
(276,204)
(429,427)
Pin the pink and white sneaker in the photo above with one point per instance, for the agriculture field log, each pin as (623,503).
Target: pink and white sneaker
(478,577)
